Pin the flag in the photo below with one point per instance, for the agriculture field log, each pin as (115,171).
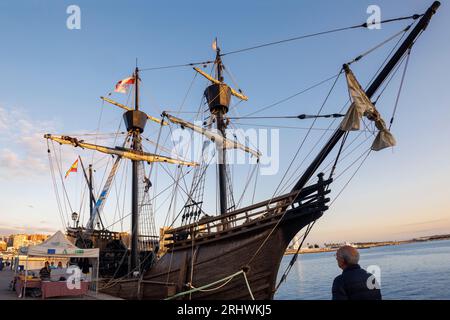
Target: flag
(73,168)
(214,44)
(123,85)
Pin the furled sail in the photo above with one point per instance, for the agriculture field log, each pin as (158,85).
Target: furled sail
(213,136)
(119,151)
(362,106)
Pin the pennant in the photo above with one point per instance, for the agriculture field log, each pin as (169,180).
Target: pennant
(123,85)
(73,168)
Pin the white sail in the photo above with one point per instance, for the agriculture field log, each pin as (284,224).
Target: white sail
(213,136)
(362,106)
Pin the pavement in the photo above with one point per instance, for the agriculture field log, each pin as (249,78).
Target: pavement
(6,276)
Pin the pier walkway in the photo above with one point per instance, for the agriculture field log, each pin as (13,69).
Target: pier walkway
(6,294)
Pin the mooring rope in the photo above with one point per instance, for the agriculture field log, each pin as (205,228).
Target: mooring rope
(223,282)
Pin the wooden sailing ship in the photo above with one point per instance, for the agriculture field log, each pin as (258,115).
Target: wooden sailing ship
(237,253)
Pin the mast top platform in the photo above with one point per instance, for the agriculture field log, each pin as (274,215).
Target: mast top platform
(135,120)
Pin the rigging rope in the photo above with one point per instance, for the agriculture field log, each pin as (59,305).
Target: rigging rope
(55,187)
(178,65)
(351,178)
(380,44)
(364,25)
(400,89)
(340,150)
(288,182)
(294,95)
(300,116)
(294,258)
(290,165)
(207,62)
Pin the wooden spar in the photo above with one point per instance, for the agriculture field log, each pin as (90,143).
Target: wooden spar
(124,107)
(213,80)
(122,152)
(213,136)
(406,45)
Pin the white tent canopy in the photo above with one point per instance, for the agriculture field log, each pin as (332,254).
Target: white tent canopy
(58,246)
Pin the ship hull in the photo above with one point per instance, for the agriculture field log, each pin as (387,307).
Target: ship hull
(233,256)
(257,250)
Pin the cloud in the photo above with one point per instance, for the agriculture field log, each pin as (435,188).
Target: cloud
(22,147)
(8,230)
(435,222)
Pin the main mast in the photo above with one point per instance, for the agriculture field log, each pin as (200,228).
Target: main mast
(218,96)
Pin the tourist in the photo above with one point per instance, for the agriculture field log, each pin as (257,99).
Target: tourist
(52,265)
(44,273)
(60,265)
(354,283)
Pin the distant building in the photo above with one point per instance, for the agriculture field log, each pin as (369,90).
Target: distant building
(3,245)
(20,240)
(295,243)
(37,238)
(10,241)
(23,240)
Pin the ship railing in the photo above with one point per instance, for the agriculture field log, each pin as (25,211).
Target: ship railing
(310,196)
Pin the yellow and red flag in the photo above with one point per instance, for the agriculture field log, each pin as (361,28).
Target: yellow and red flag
(73,168)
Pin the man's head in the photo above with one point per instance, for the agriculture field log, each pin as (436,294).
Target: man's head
(347,256)
(46,264)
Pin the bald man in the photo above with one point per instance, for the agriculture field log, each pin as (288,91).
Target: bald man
(354,283)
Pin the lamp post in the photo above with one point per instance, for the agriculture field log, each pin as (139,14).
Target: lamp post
(75,219)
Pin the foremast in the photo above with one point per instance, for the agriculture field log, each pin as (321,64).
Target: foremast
(135,121)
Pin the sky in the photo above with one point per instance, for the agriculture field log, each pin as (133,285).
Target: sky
(52,78)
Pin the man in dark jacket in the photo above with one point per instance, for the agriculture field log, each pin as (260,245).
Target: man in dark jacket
(354,283)
(44,273)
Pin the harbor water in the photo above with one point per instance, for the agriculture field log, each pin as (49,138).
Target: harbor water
(413,271)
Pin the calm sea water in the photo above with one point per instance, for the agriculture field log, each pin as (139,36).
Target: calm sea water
(409,271)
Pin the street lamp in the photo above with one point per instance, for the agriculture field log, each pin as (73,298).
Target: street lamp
(75,219)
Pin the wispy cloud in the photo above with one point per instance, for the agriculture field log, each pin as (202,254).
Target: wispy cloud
(8,230)
(421,223)
(22,147)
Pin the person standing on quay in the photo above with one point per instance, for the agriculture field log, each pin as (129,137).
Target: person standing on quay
(354,282)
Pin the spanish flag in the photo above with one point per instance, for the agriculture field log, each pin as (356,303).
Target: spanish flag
(73,168)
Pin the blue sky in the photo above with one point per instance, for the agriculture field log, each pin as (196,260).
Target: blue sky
(52,78)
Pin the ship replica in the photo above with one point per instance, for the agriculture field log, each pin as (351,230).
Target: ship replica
(236,253)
